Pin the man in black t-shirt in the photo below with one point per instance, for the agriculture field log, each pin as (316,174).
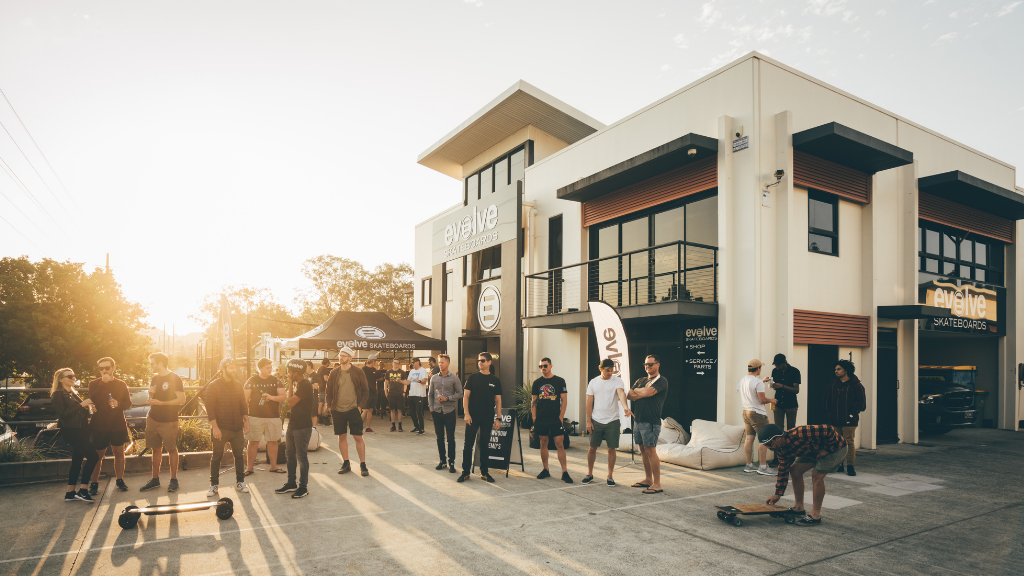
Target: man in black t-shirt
(786,383)
(263,395)
(398,385)
(300,427)
(648,397)
(481,401)
(166,396)
(322,373)
(550,399)
(372,375)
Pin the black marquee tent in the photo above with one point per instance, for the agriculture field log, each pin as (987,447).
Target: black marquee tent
(374,331)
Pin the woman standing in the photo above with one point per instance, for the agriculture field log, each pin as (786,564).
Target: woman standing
(73,420)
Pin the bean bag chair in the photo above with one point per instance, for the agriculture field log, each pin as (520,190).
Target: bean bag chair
(314,443)
(672,432)
(712,445)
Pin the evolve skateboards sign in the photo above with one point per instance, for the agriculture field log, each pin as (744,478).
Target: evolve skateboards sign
(499,445)
(700,351)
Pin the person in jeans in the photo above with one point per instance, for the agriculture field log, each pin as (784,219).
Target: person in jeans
(301,400)
(785,380)
(372,375)
(228,414)
(604,392)
(755,417)
(648,397)
(320,381)
(844,401)
(418,378)
(73,421)
(264,393)
(108,425)
(818,448)
(444,392)
(347,393)
(310,370)
(549,401)
(166,396)
(481,401)
(398,386)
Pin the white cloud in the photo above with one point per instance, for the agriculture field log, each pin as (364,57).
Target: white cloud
(925,27)
(708,14)
(945,38)
(881,12)
(1006,9)
(805,34)
(478,3)
(928,2)
(764,51)
(662,15)
(666,67)
(849,17)
(954,15)
(825,7)
(681,41)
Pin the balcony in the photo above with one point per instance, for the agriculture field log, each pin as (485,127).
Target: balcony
(673,279)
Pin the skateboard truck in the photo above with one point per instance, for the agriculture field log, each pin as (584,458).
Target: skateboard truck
(129,517)
(729,513)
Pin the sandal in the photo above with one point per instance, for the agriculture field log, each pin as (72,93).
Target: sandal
(640,485)
(248,473)
(649,491)
(279,471)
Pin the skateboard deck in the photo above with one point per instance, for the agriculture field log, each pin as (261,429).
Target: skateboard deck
(729,513)
(129,517)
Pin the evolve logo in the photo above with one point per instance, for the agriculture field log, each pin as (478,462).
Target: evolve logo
(370,333)
(488,308)
(471,225)
(961,302)
(611,347)
(702,333)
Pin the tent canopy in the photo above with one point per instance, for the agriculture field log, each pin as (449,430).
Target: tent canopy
(363,331)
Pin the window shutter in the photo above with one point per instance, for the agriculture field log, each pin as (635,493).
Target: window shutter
(813,172)
(942,211)
(672,185)
(832,329)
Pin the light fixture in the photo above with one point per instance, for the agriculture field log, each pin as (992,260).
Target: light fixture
(692,152)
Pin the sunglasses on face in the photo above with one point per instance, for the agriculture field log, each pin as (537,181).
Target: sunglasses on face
(105,368)
(649,364)
(543,366)
(483,360)
(71,376)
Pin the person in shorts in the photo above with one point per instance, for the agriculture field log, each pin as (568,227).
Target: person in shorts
(648,397)
(549,400)
(398,385)
(166,396)
(264,393)
(372,375)
(751,391)
(109,427)
(347,393)
(818,448)
(604,395)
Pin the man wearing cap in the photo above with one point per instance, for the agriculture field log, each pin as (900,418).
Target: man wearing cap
(264,393)
(818,448)
(300,399)
(755,417)
(347,393)
(229,422)
(785,381)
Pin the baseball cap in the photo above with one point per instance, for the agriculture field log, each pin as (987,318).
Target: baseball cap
(754,364)
(768,433)
(297,365)
(371,357)
(227,362)
(347,350)
(779,359)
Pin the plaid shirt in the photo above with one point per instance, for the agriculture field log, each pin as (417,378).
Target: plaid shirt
(806,442)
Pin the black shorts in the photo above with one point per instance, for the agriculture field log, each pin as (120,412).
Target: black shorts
(396,400)
(371,400)
(351,420)
(103,438)
(548,426)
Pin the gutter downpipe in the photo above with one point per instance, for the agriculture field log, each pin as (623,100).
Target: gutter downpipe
(531,239)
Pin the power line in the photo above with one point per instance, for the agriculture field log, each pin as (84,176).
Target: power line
(38,149)
(16,145)
(14,177)
(22,213)
(13,227)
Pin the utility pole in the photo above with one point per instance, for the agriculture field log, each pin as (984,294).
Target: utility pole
(248,348)
(108,262)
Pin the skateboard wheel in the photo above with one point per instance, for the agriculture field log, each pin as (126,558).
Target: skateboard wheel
(225,510)
(128,519)
(737,522)
(790,519)
(721,515)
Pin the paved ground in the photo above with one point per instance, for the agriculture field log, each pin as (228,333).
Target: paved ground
(953,505)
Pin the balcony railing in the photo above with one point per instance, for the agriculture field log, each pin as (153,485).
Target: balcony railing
(676,271)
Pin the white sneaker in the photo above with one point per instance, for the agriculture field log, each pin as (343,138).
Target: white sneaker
(241,487)
(212,491)
(766,471)
(749,468)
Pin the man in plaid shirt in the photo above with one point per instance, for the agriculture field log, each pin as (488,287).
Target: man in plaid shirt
(817,448)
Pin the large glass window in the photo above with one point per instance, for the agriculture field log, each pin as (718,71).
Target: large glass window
(485,264)
(949,253)
(486,182)
(497,175)
(425,295)
(822,223)
(517,169)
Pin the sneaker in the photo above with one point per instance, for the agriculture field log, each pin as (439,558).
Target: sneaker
(346,467)
(840,469)
(440,466)
(566,478)
(289,487)
(153,483)
(766,471)
(400,428)
(94,488)
(451,468)
(421,432)
(543,474)
(587,479)
(212,491)
(610,482)
(172,486)
(241,487)
(850,471)
(487,477)
(84,496)
(463,478)
(808,521)
(70,497)
(392,427)
(301,492)
(750,468)
(121,485)
(363,470)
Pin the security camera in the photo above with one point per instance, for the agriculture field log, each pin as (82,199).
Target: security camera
(692,152)
(738,134)
(779,174)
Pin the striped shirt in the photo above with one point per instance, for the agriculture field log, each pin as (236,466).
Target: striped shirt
(806,442)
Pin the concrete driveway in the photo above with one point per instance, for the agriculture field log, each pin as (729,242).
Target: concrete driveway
(952,505)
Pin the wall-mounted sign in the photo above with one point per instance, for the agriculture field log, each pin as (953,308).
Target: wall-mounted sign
(700,351)
(974,309)
(740,144)
(489,222)
(488,308)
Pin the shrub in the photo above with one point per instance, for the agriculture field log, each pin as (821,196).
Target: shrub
(14,451)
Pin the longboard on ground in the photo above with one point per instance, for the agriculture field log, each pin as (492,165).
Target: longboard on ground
(129,517)
(729,513)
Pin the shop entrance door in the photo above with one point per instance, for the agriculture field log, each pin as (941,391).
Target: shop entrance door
(689,399)
(821,366)
(887,409)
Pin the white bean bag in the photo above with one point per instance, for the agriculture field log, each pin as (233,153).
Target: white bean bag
(672,432)
(314,442)
(712,445)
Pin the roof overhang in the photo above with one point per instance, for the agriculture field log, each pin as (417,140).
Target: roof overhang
(674,154)
(848,147)
(974,192)
(913,312)
(521,105)
(661,311)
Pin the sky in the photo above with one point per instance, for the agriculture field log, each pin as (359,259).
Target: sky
(214,143)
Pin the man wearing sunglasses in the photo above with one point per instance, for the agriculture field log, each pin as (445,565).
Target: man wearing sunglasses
(549,397)
(648,396)
(109,427)
(481,400)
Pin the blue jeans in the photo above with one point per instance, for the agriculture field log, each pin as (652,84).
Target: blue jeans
(646,433)
(297,445)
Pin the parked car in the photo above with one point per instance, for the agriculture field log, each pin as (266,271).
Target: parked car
(7,434)
(946,398)
(36,406)
(136,415)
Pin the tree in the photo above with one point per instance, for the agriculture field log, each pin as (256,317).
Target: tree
(55,314)
(262,309)
(343,284)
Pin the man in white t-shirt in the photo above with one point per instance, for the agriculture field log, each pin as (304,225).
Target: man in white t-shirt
(751,389)
(419,377)
(604,395)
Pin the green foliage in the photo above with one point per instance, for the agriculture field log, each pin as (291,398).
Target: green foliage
(193,436)
(343,284)
(260,304)
(14,451)
(523,399)
(55,314)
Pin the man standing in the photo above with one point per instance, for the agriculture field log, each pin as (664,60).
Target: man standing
(347,393)
(109,428)
(229,422)
(398,385)
(549,401)
(418,378)
(648,397)
(804,448)
(166,396)
(300,427)
(433,364)
(444,391)
(372,375)
(786,383)
(310,370)
(263,395)
(320,381)
(751,390)
(604,394)
(481,402)
(844,401)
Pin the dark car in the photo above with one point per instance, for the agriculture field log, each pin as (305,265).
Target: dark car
(36,406)
(946,398)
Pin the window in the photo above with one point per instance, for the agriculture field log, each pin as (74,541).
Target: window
(449,285)
(485,264)
(494,177)
(822,223)
(425,295)
(486,183)
(950,253)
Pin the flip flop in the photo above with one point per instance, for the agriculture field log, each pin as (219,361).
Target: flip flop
(248,473)
(649,491)
(640,485)
(279,471)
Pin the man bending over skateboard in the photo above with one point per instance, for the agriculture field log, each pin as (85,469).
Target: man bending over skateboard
(817,448)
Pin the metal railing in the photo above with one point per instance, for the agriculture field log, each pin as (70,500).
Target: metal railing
(675,271)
